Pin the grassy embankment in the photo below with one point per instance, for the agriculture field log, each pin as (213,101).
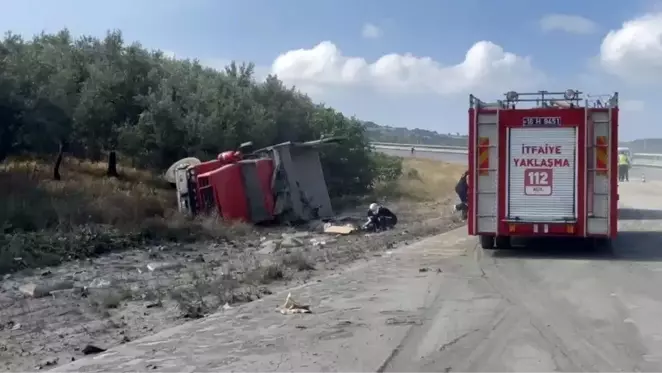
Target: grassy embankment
(44,222)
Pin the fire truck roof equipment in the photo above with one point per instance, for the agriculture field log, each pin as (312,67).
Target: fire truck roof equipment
(548,99)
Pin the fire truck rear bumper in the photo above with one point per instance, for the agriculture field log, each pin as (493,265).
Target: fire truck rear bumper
(542,228)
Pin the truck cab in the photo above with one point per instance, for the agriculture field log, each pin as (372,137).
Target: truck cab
(543,164)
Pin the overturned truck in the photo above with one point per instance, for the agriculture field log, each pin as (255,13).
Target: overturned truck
(283,182)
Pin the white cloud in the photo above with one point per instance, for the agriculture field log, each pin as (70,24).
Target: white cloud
(371,31)
(634,52)
(486,67)
(569,23)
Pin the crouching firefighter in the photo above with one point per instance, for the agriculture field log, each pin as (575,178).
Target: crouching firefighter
(462,190)
(379,218)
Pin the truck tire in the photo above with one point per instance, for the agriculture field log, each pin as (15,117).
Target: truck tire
(486,242)
(602,244)
(503,242)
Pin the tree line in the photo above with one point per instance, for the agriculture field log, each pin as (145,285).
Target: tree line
(99,98)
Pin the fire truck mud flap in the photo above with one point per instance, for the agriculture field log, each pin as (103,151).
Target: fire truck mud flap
(489,242)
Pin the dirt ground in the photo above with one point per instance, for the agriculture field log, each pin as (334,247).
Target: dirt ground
(120,297)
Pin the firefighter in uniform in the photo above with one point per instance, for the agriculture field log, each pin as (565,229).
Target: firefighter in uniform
(623,167)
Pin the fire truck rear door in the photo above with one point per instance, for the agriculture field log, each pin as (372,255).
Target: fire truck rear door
(542,174)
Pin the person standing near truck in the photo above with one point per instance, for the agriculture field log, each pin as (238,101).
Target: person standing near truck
(623,167)
(462,190)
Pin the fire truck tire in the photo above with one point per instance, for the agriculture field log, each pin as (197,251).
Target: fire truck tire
(503,242)
(602,244)
(487,242)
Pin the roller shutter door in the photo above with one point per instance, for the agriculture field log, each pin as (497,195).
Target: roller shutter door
(542,174)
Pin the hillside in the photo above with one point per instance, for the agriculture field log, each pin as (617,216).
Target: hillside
(379,133)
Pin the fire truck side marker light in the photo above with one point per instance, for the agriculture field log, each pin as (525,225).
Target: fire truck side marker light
(535,228)
(570,229)
(601,158)
(483,156)
(511,228)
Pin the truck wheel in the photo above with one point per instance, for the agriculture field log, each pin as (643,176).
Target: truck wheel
(487,242)
(503,242)
(602,244)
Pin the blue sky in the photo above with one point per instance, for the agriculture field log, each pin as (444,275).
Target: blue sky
(406,89)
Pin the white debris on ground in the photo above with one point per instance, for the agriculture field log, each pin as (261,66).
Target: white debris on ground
(291,307)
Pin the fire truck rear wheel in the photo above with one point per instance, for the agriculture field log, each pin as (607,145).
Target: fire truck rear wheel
(503,242)
(602,244)
(487,242)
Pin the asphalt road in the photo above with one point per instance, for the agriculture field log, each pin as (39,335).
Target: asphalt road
(443,304)
(635,173)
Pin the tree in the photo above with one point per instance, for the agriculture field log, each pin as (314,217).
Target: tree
(92,97)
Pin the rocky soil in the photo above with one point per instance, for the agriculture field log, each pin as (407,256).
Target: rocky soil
(55,315)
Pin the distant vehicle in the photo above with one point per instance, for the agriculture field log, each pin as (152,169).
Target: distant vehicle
(547,170)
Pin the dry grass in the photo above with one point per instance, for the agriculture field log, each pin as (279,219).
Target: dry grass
(423,180)
(44,221)
(84,196)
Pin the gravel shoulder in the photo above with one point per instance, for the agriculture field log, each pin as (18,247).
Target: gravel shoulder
(121,297)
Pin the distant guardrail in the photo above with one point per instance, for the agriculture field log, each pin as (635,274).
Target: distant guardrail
(638,159)
(418,146)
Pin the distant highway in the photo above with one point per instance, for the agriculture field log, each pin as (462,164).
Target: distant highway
(635,174)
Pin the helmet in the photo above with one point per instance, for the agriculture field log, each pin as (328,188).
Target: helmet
(374,207)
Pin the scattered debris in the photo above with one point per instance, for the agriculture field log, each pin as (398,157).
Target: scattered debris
(47,363)
(38,291)
(269,247)
(92,349)
(99,283)
(297,235)
(406,320)
(291,242)
(291,307)
(339,229)
(162,266)
(322,241)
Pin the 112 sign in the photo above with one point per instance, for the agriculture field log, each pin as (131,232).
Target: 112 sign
(538,182)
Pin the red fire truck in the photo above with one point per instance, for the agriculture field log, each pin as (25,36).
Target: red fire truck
(543,164)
